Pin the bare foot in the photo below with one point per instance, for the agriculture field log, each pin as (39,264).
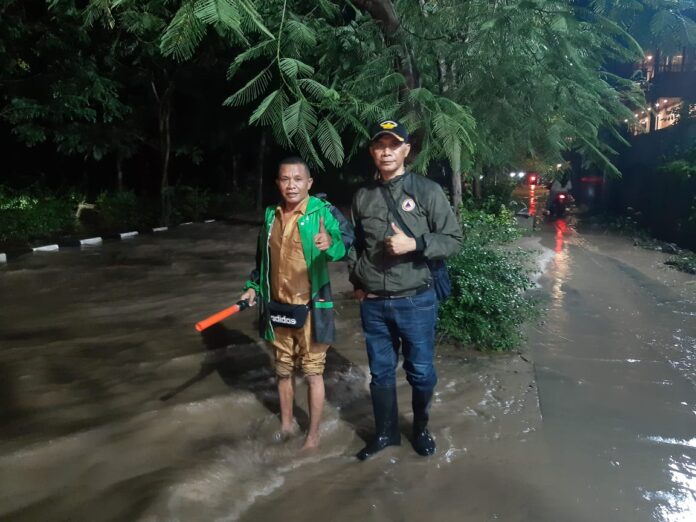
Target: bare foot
(311,443)
(284,434)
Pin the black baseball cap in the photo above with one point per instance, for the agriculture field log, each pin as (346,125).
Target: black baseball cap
(392,127)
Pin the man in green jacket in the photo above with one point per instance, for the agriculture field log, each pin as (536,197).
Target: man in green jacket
(390,271)
(291,283)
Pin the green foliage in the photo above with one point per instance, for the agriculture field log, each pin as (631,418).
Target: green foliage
(231,204)
(121,209)
(25,216)
(684,263)
(54,88)
(680,164)
(485,224)
(488,302)
(664,24)
(190,203)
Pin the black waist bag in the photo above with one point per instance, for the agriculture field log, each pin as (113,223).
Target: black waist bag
(288,315)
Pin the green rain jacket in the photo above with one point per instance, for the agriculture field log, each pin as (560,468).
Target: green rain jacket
(341,232)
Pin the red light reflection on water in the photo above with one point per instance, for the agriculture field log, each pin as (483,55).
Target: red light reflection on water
(532,201)
(561,228)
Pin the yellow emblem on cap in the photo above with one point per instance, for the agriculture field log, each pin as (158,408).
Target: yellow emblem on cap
(388,125)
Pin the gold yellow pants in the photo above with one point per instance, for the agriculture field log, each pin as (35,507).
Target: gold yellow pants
(294,349)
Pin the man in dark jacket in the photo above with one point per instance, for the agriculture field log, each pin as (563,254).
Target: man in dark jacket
(392,279)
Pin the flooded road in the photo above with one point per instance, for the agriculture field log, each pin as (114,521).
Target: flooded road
(616,370)
(115,408)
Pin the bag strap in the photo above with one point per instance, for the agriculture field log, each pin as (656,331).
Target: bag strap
(391,204)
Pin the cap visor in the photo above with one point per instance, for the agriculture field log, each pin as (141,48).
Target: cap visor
(381,133)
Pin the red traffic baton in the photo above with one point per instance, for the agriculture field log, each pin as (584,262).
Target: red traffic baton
(222,314)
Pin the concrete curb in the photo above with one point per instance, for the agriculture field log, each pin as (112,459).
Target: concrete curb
(91,241)
(10,255)
(46,248)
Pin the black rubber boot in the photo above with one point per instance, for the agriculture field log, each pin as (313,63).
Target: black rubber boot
(386,412)
(423,441)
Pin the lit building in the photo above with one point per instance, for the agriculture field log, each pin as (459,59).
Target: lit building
(669,81)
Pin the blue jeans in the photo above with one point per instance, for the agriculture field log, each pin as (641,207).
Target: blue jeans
(406,323)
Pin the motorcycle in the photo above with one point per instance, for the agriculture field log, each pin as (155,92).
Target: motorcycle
(559,204)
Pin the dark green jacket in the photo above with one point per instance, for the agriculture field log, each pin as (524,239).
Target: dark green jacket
(341,232)
(423,206)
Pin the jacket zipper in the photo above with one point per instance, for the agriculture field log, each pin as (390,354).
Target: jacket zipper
(268,264)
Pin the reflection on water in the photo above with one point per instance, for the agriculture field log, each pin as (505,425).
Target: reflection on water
(561,262)
(617,353)
(679,503)
(561,227)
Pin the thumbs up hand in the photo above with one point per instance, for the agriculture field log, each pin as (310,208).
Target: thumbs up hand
(322,240)
(399,243)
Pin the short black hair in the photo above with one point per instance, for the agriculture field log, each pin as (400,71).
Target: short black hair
(295,160)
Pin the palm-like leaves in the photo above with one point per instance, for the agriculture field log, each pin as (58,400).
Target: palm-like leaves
(499,82)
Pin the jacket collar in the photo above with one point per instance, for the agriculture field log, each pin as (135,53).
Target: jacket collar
(394,181)
(315,204)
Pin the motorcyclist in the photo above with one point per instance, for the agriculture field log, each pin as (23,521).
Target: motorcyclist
(558,186)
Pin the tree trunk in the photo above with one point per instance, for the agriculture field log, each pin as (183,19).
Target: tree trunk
(259,165)
(384,12)
(442,75)
(456,191)
(165,111)
(476,187)
(235,172)
(119,172)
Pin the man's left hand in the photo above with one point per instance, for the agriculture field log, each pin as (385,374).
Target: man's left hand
(399,243)
(322,240)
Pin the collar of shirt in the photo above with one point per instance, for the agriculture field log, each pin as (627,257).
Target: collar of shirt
(300,209)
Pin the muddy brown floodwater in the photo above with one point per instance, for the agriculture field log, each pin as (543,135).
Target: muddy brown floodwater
(114,408)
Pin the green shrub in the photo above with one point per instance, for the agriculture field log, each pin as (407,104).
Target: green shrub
(488,304)
(34,214)
(483,226)
(685,262)
(495,194)
(120,209)
(190,203)
(229,204)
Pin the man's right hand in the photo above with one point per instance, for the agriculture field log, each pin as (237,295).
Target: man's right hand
(249,295)
(359,294)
